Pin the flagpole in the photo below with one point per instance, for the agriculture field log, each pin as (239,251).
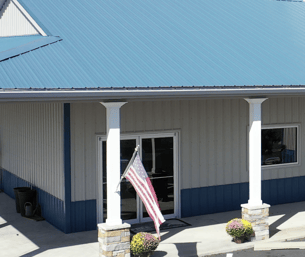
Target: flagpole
(129,164)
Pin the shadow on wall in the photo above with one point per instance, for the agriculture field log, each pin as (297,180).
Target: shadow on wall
(83,213)
(1,180)
(1,172)
(1,169)
(52,207)
(38,237)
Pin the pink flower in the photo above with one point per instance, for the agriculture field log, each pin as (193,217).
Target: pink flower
(235,225)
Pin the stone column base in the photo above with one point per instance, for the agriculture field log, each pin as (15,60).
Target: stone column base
(258,217)
(114,240)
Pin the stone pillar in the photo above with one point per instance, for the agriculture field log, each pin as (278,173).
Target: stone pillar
(114,240)
(258,217)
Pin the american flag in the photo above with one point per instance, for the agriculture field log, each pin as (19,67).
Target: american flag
(137,176)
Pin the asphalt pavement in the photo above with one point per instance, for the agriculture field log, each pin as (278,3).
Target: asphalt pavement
(270,253)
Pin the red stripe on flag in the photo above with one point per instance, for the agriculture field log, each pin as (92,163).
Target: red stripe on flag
(146,199)
(152,191)
(139,188)
(148,188)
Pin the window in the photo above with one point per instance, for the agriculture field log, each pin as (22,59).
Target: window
(279,145)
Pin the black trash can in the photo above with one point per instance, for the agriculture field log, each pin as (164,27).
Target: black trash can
(24,197)
(16,190)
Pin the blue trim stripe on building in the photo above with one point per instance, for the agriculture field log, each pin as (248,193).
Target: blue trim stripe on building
(207,200)
(83,216)
(67,166)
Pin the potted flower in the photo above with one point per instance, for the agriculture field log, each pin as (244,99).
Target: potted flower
(143,244)
(239,229)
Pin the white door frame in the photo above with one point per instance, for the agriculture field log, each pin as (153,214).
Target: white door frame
(138,137)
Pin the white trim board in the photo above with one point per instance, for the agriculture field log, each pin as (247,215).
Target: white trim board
(30,19)
(16,21)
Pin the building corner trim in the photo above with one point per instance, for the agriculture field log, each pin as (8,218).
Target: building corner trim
(67,167)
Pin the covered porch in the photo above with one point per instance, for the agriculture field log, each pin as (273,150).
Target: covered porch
(24,238)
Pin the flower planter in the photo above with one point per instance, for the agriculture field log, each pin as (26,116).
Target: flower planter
(144,254)
(143,244)
(241,230)
(239,240)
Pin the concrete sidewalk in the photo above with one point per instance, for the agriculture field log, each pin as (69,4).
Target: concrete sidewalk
(207,234)
(23,237)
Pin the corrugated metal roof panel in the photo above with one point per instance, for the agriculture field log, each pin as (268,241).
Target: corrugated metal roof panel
(14,46)
(164,43)
(13,42)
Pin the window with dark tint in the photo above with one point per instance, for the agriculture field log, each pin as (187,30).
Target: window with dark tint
(158,161)
(279,145)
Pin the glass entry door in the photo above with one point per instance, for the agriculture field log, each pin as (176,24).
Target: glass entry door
(158,154)
(158,160)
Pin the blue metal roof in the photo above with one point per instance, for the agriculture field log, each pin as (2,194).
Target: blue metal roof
(133,43)
(14,46)
(13,42)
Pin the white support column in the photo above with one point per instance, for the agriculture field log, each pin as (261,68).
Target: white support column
(255,151)
(255,211)
(113,163)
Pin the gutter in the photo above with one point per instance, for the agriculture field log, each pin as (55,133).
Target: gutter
(146,94)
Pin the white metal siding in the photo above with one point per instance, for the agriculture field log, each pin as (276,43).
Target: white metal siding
(86,121)
(31,138)
(13,23)
(213,138)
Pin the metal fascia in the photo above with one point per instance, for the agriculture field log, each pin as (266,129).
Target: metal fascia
(63,95)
